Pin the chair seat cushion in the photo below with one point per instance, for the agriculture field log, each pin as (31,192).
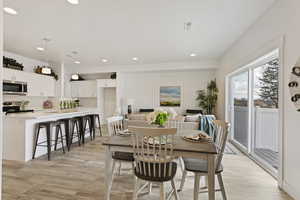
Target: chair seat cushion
(123,156)
(198,165)
(144,174)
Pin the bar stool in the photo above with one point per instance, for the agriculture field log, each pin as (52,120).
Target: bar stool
(75,124)
(93,118)
(97,116)
(67,123)
(86,120)
(48,126)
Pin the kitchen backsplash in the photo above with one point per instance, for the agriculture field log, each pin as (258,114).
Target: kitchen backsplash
(88,102)
(35,103)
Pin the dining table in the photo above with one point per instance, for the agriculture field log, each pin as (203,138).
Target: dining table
(182,148)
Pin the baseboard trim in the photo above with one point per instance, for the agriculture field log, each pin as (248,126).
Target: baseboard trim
(291,190)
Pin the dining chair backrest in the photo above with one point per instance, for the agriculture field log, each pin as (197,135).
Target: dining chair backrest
(115,125)
(181,125)
(153,150)
(221,133)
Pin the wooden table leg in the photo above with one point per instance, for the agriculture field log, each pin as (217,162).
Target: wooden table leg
(108,172)
(211,176)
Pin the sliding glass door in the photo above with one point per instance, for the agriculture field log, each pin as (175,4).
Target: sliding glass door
(240,108)
(266,114)
(254,114)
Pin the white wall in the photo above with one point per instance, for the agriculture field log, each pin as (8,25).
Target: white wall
(144,87)
(281,20)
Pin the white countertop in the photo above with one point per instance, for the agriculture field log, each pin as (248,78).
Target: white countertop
(53,113)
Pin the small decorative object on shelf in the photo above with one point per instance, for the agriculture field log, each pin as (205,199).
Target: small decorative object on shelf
(68,105)
(47,104)
(130,103)
(113,75)
(158,117)
(76,77)
(44,70)
(12,64)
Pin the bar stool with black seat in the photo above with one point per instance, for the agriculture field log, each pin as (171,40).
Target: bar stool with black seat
(67,125)
(48,127)
(95,118)
(200,167)
(75,123)
(87,120)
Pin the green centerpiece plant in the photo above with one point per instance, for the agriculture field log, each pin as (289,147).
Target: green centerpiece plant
(158,117)
(161,118)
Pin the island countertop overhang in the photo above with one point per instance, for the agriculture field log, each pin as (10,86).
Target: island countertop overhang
(53,114)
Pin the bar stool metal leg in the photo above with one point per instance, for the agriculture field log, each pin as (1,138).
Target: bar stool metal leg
(36,141)
(56,137)
(81,129)
(67,132)
(99,124)
(48,132)
(61,138)
(91,128)
(58,133)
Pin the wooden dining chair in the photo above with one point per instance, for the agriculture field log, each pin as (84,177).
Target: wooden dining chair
(154,158)
(181,126)
(200,168)
(115,126)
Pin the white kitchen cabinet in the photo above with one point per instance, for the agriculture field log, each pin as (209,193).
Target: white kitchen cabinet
(84,88)
(106,83)
(41,85)
(13,75)
(37,84)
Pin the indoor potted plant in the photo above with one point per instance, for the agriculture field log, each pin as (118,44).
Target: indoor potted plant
(208,98)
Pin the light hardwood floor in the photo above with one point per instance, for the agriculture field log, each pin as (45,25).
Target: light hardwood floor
(78,175)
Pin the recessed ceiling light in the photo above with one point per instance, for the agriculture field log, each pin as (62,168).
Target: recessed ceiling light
(193,54)
(10,11)
(40,49)
(77,62)
(104,60)
(74,2)
(135,59)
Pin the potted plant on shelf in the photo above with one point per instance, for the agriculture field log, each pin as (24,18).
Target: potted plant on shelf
(208,98)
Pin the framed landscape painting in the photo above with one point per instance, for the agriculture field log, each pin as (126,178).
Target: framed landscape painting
(170,96)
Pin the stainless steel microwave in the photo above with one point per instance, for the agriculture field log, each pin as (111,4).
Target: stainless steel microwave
(14,87)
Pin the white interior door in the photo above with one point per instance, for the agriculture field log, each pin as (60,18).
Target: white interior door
(110,101)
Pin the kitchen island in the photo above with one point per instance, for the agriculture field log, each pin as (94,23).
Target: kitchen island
(19,131)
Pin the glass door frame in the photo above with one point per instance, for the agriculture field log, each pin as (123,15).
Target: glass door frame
(249,151)
(231,108)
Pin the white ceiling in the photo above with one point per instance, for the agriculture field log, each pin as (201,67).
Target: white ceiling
(118,30)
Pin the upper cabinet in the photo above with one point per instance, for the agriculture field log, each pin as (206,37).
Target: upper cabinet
(84,88)
(37,85)
(106,82)
(41,85)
